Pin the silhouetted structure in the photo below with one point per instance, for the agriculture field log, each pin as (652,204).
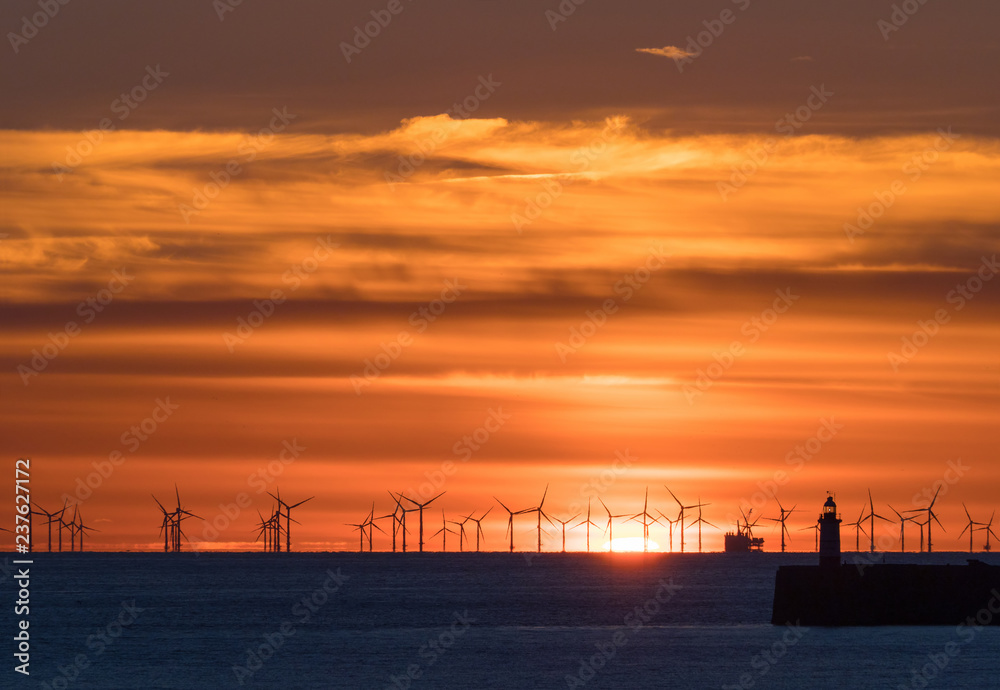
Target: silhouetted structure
(588,523)
(609,530)
(563,523)
(170,528)
(863,593)
(510,521)
(647,520)
(420,507)
(930,516)
(680,516)
(783,514)
(742,540)
(288,516)
(871,516)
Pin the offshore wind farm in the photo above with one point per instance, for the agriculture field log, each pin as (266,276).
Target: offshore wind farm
(274,533)
(526,344)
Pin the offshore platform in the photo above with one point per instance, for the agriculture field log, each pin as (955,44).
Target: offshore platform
(742,540)
(836,593)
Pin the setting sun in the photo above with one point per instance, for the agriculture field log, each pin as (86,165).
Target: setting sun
(629,544)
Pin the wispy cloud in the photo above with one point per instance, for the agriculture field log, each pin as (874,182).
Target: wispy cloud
(802,58)
(672,52)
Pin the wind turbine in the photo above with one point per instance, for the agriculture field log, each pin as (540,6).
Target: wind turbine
(681,516)
(563,523)
(699,522)
(969,526)
(609,530)
(479,526)
(902,530)
(264,531)
(402,518)
(784,530)
(420,507)
(179,515)
(82,528)
(671,524)
(444,531)
(49,520)
(872,515)
(166,527)
(396,519)
(362,527)
(588,523)
(858,528)
(461,533)
(988,528)
(371,524)
(647,520)
(922,525)
(814,528)
(510,521)
(288,516)
(930,516)
(541,513)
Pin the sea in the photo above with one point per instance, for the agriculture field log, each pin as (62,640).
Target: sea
(458,620)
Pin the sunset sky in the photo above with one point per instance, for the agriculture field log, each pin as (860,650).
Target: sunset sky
(495,248)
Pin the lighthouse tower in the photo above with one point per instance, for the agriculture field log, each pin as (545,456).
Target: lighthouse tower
(829,535)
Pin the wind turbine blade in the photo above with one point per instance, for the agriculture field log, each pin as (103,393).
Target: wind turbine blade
(934,499)
(605,507)
(672,494)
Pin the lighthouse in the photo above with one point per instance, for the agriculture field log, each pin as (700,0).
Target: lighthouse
(829,535)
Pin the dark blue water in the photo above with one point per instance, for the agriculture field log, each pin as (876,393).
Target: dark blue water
(459,621)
